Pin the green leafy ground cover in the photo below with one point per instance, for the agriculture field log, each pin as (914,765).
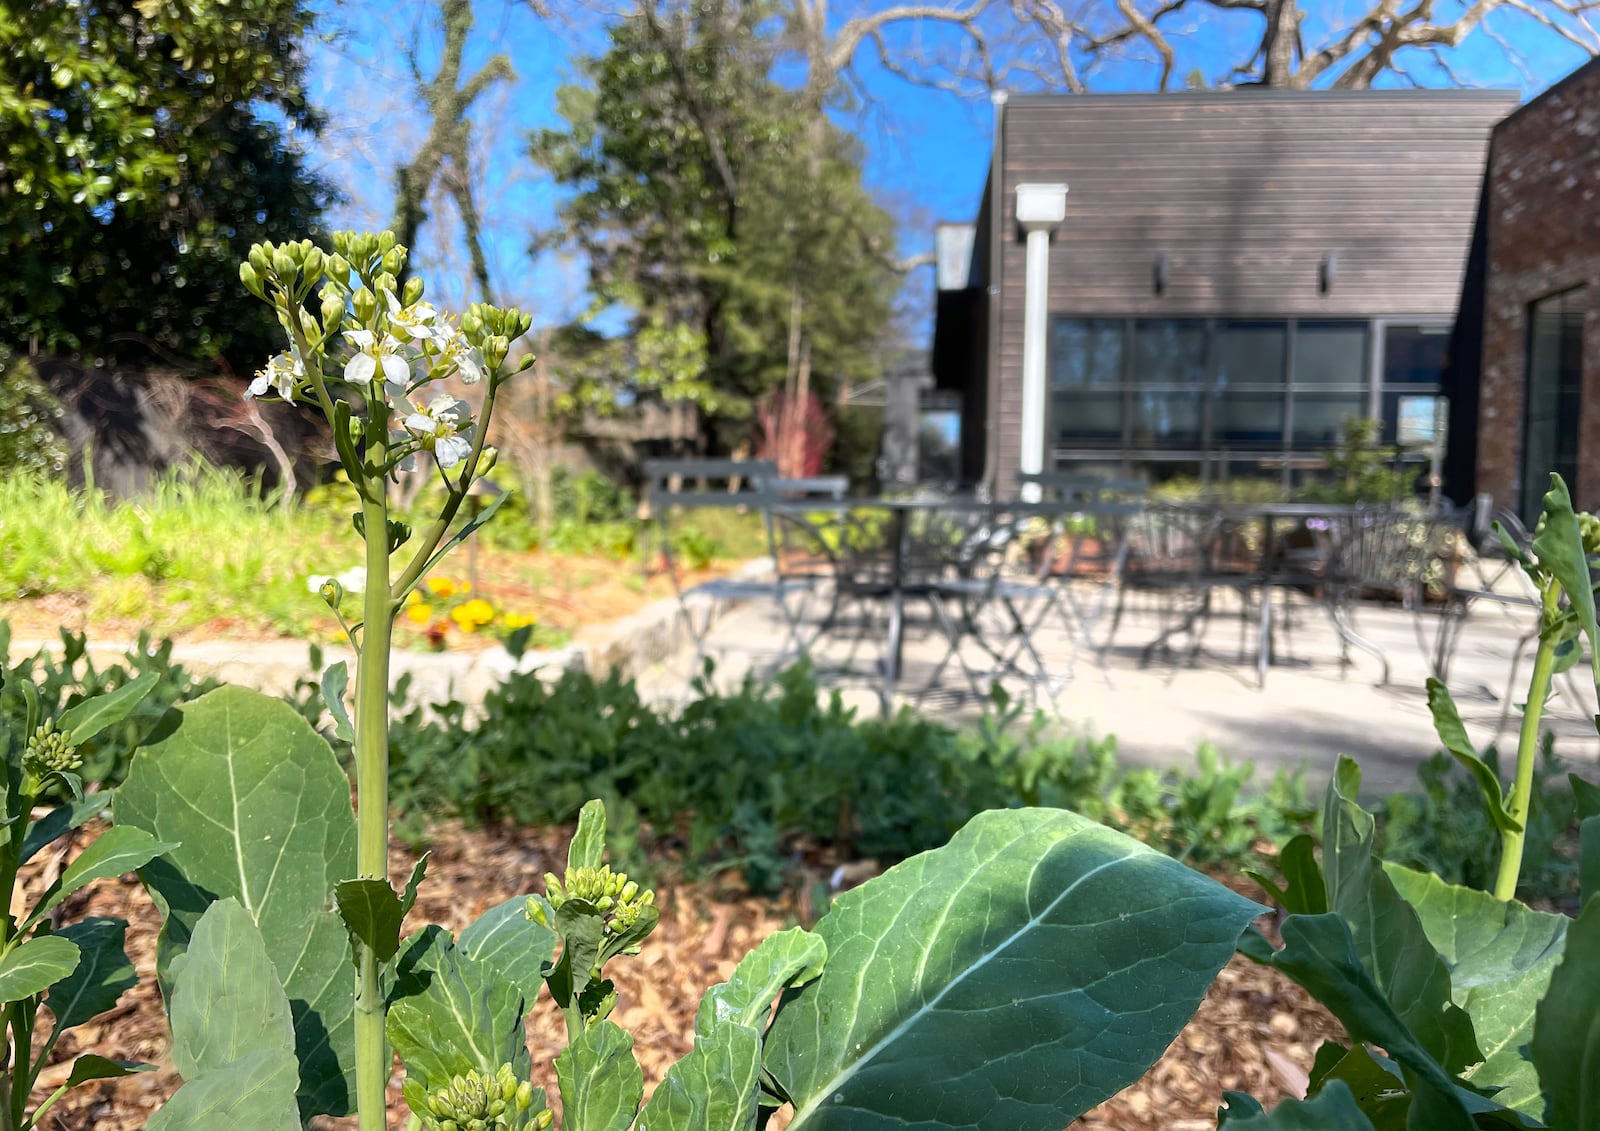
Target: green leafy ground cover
(728,784)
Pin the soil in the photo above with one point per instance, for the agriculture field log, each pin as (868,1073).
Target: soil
(1255,1032)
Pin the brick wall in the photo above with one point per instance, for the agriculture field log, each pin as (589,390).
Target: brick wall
(1543,238)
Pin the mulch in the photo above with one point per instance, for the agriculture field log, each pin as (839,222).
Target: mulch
(1255,1032)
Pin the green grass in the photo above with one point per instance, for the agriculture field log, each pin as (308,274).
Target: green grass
(193,548)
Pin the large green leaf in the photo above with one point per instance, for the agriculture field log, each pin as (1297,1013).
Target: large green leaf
(716,1087)
(35,966)
(226,999)
(112,853)
(1388,935)
(253,1094)
(83,721)
(451,1014)
(1378,1086)
(1320,954)
(1012,979)
(1500,956)
(232,1032)
(588,846)
(601,1083)
(1586,796)
(784,959)
(103,974)
(89,1067)
(262,811)
(1334,1109)
(516,948)
(1566,1029)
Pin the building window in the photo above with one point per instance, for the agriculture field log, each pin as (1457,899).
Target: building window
(1228,395)
(1554,396)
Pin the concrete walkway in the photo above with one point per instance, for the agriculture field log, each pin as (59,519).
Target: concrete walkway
(1311,709)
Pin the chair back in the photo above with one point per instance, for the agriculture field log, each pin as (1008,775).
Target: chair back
(720,483)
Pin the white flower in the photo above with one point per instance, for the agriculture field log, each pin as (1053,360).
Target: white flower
(282,372)
(373,353)
(469,364)
(444,428)
(417,321)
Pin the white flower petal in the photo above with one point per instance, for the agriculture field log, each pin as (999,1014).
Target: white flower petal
(419,423)
(361,339)
(359,369)
(396,369)
(451,450)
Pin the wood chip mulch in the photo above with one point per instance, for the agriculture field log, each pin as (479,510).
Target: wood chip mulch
(1255,1032)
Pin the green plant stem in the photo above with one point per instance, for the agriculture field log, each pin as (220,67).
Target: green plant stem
(372,794)
(1511,841)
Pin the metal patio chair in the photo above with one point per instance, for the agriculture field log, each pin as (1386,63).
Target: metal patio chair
(721,484)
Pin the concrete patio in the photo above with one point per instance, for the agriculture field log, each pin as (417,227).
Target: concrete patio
(1311,709)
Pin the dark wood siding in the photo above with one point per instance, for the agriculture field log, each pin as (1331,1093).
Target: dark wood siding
(1245,193)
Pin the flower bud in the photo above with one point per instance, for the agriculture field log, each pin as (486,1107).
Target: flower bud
(386,240)
(251,281)
(339,270)
(629,890)
(314,262)
(487,459)
(365,304)
(332,310)
(524,1095)
(412,292)
(543,1120)
(283,265)
(394,260)
(471,321)
(331,592)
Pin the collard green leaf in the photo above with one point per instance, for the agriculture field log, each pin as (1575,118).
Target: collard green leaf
(601,1083)
(1377,1086)
(1452,733)
(1012,979)
(1334,1109)
(1388,936)
(372,913)
(35,966)
(516,948)
(451,1014)
(1585,796)
(59,821)
(102,976)
(226,1000)
(1566,1029)
(256,1093)
(1303,891)
(120,849)
(1320,954)
(784,959)
(716,1087)
(408,897)
(1500,957)
(334,682)
(91,1067)
(262,810)
(84,720)
(588,847)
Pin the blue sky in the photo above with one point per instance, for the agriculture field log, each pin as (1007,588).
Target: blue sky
(925,149)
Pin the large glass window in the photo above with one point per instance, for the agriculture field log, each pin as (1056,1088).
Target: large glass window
(1264,393)
(1554,395)
(1252,363)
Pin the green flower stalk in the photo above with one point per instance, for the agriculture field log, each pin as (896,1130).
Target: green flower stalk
(371,355)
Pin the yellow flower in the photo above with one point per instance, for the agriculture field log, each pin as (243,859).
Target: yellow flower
(441,587)
(419,613)
(517,620)
(412,598)
(476,612)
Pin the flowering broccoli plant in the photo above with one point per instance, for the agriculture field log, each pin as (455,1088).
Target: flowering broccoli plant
(1012,979)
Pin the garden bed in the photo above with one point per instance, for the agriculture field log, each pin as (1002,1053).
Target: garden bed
(1252,1033)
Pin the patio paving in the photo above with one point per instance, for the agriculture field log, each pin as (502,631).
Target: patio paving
(1310,711)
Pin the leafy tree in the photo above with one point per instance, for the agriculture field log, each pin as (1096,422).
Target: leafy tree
(28,413)
(747,252)
(146,145)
